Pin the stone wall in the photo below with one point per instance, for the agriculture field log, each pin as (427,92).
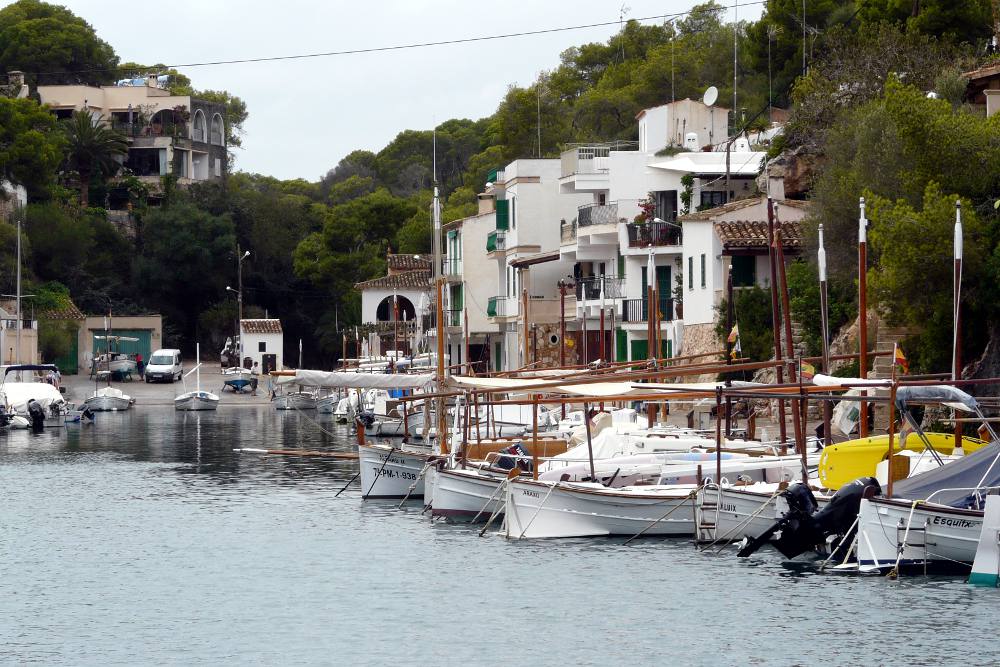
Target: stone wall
(546,337)
(700,339)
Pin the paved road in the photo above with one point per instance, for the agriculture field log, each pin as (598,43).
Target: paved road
(78,387)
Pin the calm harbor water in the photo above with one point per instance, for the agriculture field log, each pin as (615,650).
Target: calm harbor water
(144,539)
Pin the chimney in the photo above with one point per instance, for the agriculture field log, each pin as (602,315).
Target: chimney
(151,81)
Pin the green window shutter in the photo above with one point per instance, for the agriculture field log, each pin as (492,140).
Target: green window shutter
(621,265)
(691,272)
(703,271)
(663,281)
(503,214)
(744,270)
(640,350)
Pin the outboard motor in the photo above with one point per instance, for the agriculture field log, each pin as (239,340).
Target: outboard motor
(509,463)
(367,418)
(87,413)
(36,414)
(802,528)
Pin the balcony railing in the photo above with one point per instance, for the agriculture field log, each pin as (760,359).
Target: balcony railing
(597,214)
(637,310)
(453,317)
(496,240)
(178,130)
(404,327)
(567,231)
(501,306)
(451,266)
(495,176)
(642,235)
(25,324)
(590,288)
(591,158)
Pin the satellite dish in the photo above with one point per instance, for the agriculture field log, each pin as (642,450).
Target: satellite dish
(710,96)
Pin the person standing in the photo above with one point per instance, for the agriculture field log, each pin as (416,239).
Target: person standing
(138,363)
(254,378)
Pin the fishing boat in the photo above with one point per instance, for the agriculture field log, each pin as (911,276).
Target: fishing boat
(109,399)
(294,400)
(197,399)
(326,405)
(113,360)
(392,472)
(236,378)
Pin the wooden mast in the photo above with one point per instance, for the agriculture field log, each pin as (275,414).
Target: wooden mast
(775,317)
(863,314)
(956,366)
(825,333)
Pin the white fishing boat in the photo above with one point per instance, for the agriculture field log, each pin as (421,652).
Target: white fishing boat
(536,509)
(466,494)
(109,399)
(197,399)
(392,472)
(294,400)
(327,405)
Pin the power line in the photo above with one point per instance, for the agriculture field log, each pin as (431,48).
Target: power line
(401,47)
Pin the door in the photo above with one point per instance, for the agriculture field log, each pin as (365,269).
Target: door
(268,362)
(142,346)
(621,345)
(640,350)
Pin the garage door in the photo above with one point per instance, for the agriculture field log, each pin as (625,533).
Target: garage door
(143,346)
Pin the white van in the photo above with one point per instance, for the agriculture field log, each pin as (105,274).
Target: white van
(164,365)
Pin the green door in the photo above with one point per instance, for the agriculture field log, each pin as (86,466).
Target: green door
(640,350)
(497,356)
(621,345)
(68,362)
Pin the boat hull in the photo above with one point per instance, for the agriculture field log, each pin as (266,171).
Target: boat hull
(295,402)
(466,495)
(327,405)
(542,510)
(108,403)
(940,537)
(388,472)
(196,401)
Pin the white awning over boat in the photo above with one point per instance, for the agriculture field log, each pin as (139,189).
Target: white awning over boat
(342,380)
(596,388)
(830,381)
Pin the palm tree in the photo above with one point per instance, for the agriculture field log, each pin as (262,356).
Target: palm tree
(91,147)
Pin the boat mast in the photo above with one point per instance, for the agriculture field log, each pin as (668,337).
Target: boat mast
(442,425)
(17,355)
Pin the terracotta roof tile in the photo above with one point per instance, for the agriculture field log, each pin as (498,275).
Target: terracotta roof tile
(753,234)
(70,312)
(408,263)
(419,279)
(261,326)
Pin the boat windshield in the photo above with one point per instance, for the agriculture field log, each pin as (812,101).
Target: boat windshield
(161,360)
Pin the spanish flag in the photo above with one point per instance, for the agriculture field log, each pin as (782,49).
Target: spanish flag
(808,371)
(900,360)
(734,334)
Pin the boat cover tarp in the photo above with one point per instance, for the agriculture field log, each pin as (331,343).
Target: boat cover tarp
(17,395)
(830,381)
(342,380)
(957,481)
(596,388)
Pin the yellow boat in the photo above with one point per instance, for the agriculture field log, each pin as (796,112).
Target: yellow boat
(847,461)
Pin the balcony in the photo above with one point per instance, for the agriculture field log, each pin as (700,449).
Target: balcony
(590,288)
(403,327)
(657,234)
(11,324)
(134,130)
(585,160)
(453,317)
(451,267)
(496,241)
(637,310)
(501,306)
(596,214)
(495,176)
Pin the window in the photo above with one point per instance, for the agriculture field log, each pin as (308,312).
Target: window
(513,213)
(218,167)
(690,272)
(744,271)
(711,199)
(602,199)
(262,346)
(703,270)
(200,131)
(217,134)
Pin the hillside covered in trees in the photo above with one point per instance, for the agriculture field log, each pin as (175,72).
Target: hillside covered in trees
(856,87)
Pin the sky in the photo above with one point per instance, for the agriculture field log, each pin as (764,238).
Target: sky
(305,115)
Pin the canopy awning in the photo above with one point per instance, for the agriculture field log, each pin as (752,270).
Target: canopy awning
(341,380)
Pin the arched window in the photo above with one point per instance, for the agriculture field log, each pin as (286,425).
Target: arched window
(384,312)
(200,129)
(218,130)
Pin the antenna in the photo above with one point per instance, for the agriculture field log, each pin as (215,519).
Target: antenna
(709,99)
(622,11)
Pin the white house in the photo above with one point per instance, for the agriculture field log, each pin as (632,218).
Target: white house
(392,303)
(263,342)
